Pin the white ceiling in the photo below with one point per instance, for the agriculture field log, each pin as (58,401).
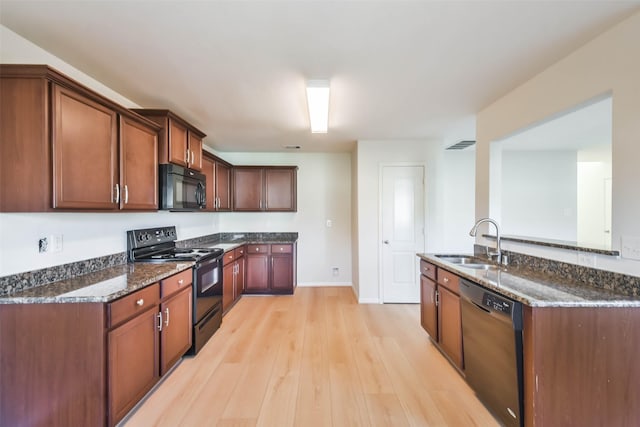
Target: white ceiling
(236,69)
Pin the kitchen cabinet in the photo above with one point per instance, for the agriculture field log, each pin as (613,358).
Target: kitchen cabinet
(428,309)
(264,188)
(270,268)
(180,142)
(233,280)
(103,356)
(62,149)
(218,186)
(440,310)
(133,354)
(579,366)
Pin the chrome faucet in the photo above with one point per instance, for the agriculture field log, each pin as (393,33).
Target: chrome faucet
(498,253)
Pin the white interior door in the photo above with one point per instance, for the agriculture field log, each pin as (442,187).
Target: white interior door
(402,232)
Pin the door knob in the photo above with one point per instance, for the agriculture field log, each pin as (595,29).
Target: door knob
(386,242)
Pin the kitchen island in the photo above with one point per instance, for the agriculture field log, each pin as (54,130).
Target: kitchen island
(579,341)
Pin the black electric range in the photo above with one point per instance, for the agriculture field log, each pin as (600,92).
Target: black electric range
(158,245)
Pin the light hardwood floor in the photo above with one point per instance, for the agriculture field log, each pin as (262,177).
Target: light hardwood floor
(315,359)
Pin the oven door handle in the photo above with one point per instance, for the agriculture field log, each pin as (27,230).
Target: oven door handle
(207,262)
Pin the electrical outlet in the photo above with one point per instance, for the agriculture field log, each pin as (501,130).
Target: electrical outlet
(586,259)
(43,245)
(630,247)
(336,271)
(329,223)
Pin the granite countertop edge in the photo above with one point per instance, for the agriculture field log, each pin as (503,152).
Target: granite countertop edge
(138,276)
(552,291)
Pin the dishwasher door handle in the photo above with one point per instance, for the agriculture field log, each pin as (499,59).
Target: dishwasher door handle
(480,307)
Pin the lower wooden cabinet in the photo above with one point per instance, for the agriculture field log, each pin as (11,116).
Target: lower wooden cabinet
(270,268)
(88,364)
(233,277)
(133,362)
(440,312)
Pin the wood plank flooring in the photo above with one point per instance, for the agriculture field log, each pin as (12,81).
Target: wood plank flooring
(315,359)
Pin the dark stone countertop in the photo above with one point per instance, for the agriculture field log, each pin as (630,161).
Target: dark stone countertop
(100,286)
(537,289)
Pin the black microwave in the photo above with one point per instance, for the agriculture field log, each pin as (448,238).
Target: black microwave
(181,189)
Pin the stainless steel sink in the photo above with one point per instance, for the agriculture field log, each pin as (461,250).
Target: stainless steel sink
(468,261)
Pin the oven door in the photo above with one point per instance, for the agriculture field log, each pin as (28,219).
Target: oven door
(207,286)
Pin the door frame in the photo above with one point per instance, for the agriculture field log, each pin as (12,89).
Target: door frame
(425,207)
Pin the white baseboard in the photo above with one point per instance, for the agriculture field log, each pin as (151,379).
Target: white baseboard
(368,301)
(322,284)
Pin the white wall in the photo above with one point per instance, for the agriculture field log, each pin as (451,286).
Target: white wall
(449,194)
(85,235)
(539,194)
(610,62)
(324,193)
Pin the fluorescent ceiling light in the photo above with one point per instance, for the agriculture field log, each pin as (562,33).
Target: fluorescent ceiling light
(318,101)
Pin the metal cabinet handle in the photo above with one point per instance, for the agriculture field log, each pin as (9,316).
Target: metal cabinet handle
(126,194)
(193,157)
(160,321)
(446,280)
(186,156)
(281,249)
(117,199)
(437,298)
(140,302)
(257,249)
(180,282)
(166,321)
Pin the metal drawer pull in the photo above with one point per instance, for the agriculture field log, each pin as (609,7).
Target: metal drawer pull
(117,200)
(446,280)
(166,321)
(126,194)
(160,321)
(180,282)
(140,302)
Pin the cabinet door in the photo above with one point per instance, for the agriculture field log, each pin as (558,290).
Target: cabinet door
(133,362)
(175,338)
(428,309)
(282,273)
(208,169)
(178,144)
(223,187)
(138,165)
(257,273)
(228,276)
(85,152)
(239,283)
(247,189)
(195,151)
(280,190)
(450,325)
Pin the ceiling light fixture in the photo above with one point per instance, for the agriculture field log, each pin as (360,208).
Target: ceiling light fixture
(318,102)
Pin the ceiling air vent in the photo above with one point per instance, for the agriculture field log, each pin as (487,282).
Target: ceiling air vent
(461,145)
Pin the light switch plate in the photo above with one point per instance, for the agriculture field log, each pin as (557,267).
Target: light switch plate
(630,247)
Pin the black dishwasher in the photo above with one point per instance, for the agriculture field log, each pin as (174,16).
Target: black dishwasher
(492,337)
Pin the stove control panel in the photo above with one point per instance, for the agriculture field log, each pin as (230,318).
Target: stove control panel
(150,236)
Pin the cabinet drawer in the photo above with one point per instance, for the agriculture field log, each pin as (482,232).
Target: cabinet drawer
(257,249)
(130,305)
(176,282)
(449,280)
(229,256)
(239,252)
(281,249)
(428,270)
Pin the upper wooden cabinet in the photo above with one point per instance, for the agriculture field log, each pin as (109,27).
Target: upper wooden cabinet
(61,148)
(264,188)
(180,142)
(218,187)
